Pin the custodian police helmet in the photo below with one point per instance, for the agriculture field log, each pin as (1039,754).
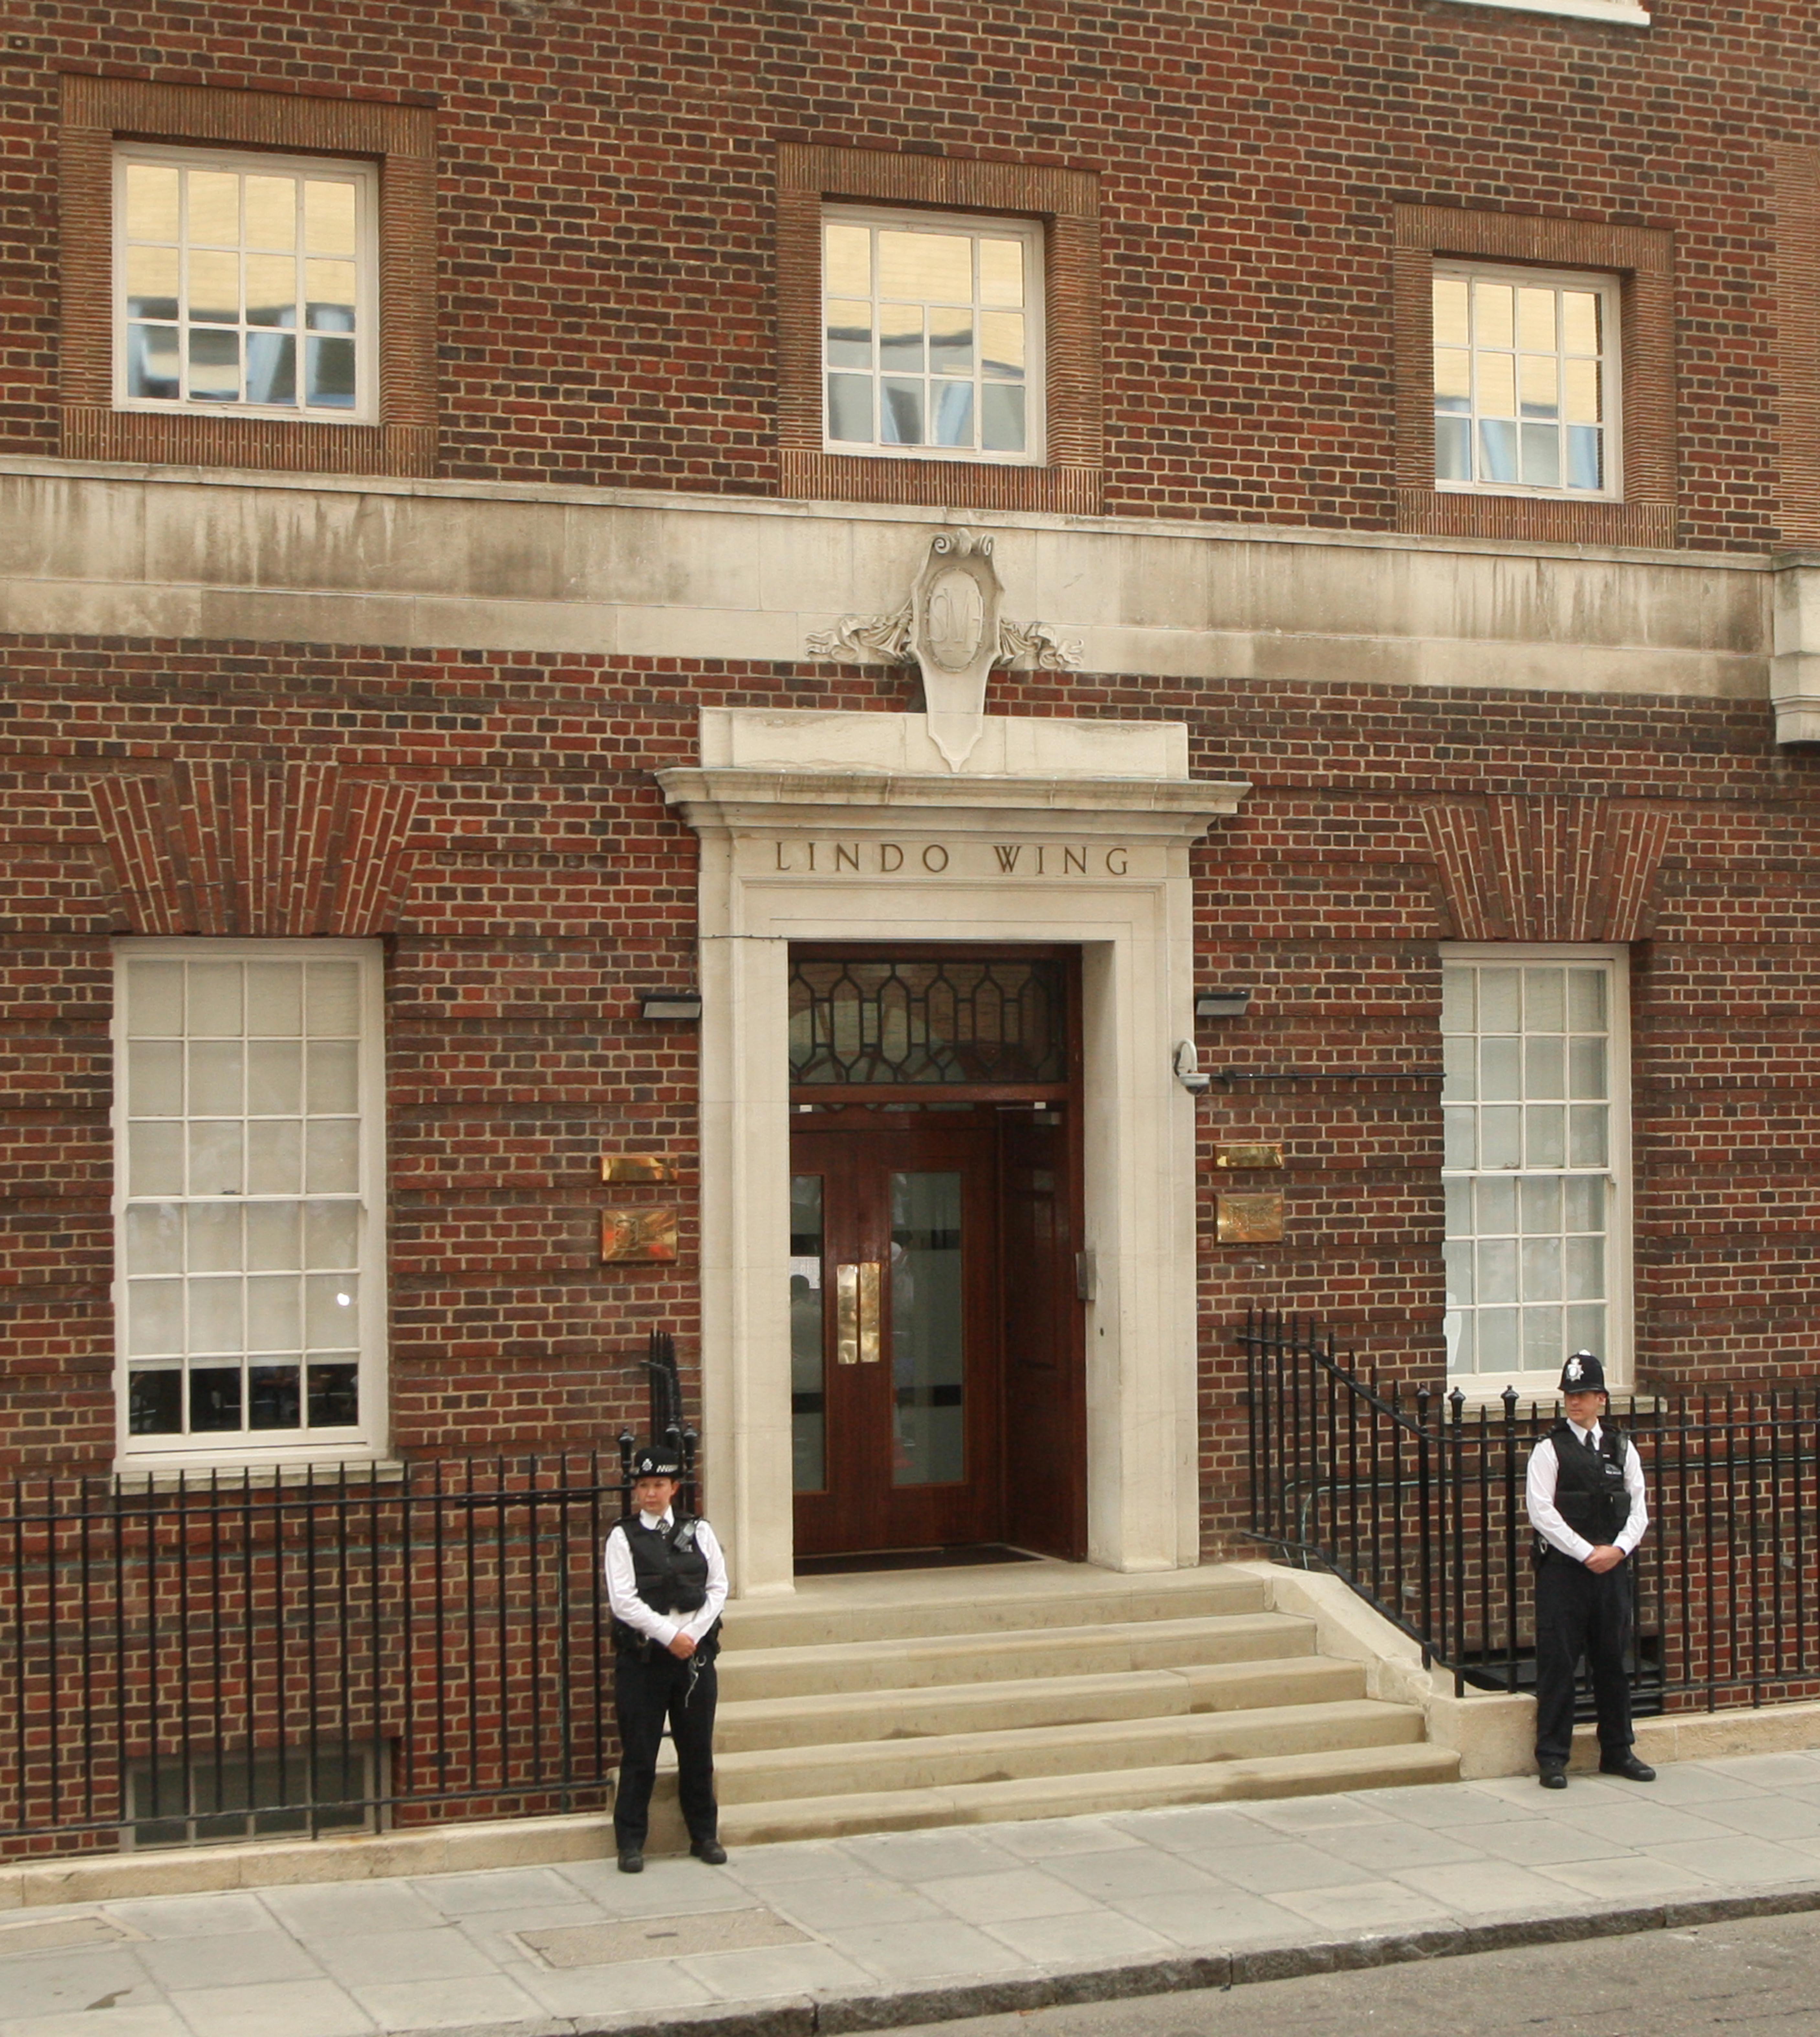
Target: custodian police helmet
(1582,1373)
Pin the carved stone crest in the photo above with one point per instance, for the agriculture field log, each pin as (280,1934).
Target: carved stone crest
(951,628)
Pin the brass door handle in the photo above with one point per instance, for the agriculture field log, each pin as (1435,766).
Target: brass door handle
(857,1313)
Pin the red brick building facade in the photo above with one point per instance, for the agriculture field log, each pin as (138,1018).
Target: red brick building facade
(368,615)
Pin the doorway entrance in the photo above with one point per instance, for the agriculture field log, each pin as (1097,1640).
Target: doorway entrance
(936,1354)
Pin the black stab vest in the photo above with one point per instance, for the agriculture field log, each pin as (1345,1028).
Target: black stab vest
(1589,1487)
(670,1571)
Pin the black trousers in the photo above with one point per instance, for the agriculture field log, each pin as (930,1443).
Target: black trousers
(1578,1613)
(648,1690)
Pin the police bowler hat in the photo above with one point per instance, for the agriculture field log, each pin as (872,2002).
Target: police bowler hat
(1582,1373)
(656,1461)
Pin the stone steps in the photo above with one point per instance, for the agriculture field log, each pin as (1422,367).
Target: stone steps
(881,1702)
(845,1816)
(944,1709)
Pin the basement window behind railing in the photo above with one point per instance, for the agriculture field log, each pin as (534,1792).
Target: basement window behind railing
(229,1799)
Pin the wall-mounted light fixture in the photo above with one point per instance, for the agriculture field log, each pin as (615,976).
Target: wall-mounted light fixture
(670,1004)
(1222,1004)
(1189,1071)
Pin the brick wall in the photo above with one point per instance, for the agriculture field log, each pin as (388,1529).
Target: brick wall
(544,885)
(606,287)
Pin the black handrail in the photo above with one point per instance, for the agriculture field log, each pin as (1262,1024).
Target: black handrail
(1415,1499)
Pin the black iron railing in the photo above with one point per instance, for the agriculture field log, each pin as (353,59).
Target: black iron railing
(226,1656)
(1415,1498)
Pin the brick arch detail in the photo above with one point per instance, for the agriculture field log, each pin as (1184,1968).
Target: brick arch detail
(255,849)
(1547,866)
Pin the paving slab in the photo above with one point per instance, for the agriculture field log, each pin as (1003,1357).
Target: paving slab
(908,1928)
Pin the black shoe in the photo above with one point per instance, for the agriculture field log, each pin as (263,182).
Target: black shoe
(1552,1775)
(631,1861)
(1627,1766)
(710,1850)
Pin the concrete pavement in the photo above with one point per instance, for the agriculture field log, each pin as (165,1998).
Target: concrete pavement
(907,1927)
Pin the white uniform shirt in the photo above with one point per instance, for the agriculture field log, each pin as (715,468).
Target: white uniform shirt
(1545,1515)
(623,1585)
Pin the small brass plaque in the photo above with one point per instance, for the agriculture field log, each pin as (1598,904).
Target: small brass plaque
(1247,1156)
(629,1237)
(636,1167)
(1251,1219)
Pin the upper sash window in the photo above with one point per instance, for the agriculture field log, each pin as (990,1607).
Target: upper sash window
(931,335)
(245,284)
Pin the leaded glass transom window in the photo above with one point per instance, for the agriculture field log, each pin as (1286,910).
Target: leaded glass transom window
(992,1021)
(932,335)
(1534,1058)
(1526,381)
(244,283)
(245,1190)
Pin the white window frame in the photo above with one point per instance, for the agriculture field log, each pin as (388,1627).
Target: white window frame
(253,1449)
(1620,1245)
(364,177)
(1006,226)
(1611,392)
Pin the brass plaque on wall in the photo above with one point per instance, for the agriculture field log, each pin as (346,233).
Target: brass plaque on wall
(636,1167)
(633,1237)
(1251,1219)
(1247,1156)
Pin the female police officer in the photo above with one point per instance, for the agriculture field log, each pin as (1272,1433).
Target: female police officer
(667,1582)
(1585,1503)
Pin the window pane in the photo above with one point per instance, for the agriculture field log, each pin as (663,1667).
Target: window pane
(214,288)
(214,1399)
(274,1313)
(155,1238)
(1459,1003)
(900,336)
(1459,1082)
(1450,311)
(155,1078)
(1545,1141)
(900,413)
(1002,427)
(216,1087)
(153,202)
(214,207)
(847,260)
(274,999)
(1500,1070)
(331,1149)
(1001,344)
(1535,319)
(849,334)
(329,217)
(1000,271)
(1580,324)
(1496,1202)
(152,282)
(153,361)
(1500,1142)
(154,999)
(1541,1269)
(329,373)
(1453,379)
(1453,449)
(1581,391)
(334,1396)
(271,368)
(214,1158)
(330,1316)
(271,290)
(273,1397)
(154,1318)
(272,205)
(212,1239)
(1586,1000)
(1542,456)
(274,1157)
(1588,1135)
(1501,1000)
(155,1160)
(850,408)
(328,295)
(333,1071)
(925,266)
(216,1324)
(1585,457)
(272,1237)
(1497,385)
(155,1402)
(1462,1149)
(214,366)
(1587,1065)
(1493,314)
(331,1234)
(953,414)
(275,1077)
(950,342)
(1544,1067)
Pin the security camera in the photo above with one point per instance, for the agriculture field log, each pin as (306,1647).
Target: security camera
(1188,1070)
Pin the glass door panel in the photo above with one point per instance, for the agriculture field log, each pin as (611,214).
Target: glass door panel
(808,1383)
(928,1331)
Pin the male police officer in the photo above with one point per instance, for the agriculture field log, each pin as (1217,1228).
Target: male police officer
(1587,1504)
(667,1582)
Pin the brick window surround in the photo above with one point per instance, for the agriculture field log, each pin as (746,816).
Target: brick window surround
(1795,181)
(402,139)
(1642,260)
(1067,201)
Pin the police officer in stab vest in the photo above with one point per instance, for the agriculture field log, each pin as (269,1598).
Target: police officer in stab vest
(666,1582)
(1585,1503)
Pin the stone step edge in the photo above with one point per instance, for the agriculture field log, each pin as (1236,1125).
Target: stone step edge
(752,1622)
(1053,1753)
(1330,1771)
(872,1708)
(1210,1626)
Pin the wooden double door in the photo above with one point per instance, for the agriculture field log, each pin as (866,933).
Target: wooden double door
(935,1328)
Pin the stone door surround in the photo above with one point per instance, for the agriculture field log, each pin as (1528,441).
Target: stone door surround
(851,827)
